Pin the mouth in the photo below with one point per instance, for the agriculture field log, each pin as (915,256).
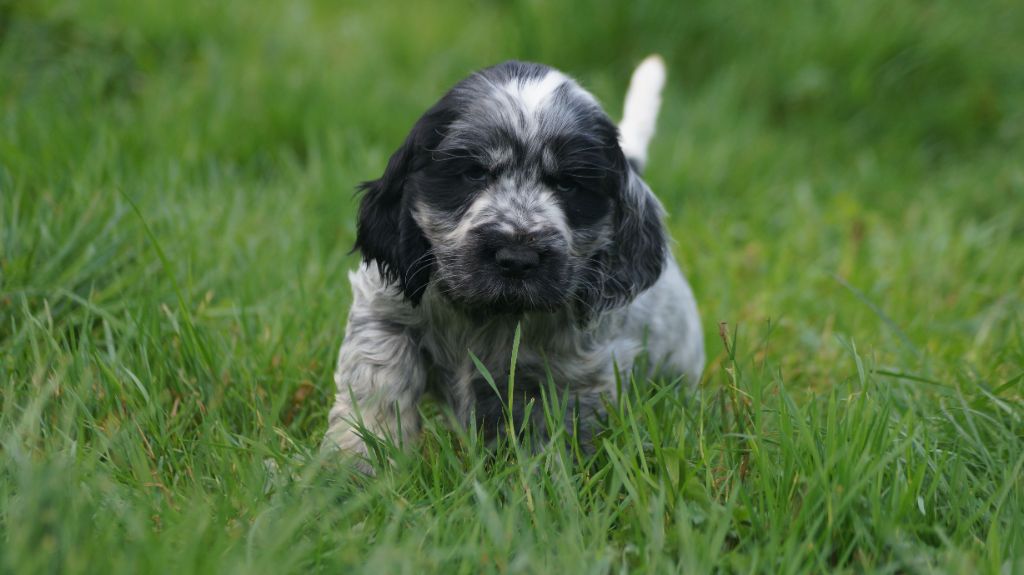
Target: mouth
(520,295)
(498,294)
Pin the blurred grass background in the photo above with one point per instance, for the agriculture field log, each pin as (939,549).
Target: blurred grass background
(844,183)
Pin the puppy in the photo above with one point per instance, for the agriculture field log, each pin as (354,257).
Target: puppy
(513,201)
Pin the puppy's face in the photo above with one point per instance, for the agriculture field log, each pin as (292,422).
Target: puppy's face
(511,194)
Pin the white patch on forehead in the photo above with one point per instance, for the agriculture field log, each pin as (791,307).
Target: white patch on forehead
(534,93)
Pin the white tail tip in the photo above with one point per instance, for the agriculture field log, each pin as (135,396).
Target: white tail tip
(640,112)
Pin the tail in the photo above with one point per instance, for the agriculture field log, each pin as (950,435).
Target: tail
(640,112)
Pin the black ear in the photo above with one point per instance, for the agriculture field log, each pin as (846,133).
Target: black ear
(387,234)
(636,256)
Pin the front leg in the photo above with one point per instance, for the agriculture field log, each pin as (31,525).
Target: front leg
(577,407)
(380,378)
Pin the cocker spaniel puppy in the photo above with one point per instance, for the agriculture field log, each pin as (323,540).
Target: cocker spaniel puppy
(513,201)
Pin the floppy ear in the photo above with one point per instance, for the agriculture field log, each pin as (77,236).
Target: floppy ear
(636,256)
(386,231)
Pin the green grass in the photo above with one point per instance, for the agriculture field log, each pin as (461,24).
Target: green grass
(845,186)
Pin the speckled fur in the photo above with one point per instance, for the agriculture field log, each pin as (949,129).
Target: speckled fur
(419,302)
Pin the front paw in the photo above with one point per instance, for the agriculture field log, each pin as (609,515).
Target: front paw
(342,444)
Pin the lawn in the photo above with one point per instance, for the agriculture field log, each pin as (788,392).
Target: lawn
(844,183)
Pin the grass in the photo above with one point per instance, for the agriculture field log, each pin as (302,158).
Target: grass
(843,181)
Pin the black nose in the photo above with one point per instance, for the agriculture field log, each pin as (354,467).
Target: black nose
(516,261)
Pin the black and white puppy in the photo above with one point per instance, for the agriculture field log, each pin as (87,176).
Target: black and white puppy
(514,200)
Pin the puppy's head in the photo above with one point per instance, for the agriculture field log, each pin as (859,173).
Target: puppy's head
(512,194)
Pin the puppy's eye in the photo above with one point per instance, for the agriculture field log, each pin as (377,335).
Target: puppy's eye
(565,186)
(476,174)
